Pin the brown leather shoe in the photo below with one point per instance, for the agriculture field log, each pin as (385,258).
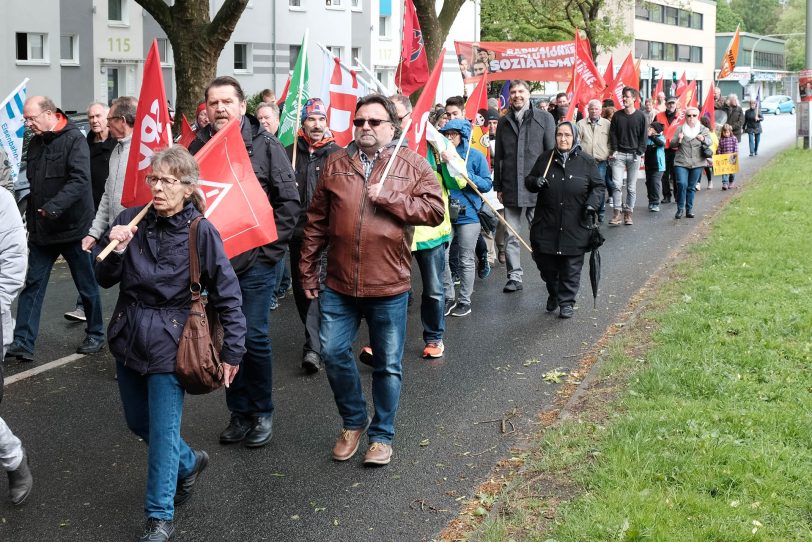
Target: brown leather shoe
(378,454)
(627,218)
(347,443)
(616,217)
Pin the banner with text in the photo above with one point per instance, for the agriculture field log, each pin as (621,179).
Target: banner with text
(541,61)
(725,164)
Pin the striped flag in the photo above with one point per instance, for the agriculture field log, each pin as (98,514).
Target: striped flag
(298,94)
(12,127)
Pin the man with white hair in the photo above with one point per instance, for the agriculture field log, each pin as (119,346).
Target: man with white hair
(594,133)
(268,116)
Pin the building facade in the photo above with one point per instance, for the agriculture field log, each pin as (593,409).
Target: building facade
(760,65)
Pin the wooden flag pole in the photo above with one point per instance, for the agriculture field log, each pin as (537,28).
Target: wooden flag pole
(114,243)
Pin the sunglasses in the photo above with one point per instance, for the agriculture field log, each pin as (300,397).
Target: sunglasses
(358,123)
(691,115)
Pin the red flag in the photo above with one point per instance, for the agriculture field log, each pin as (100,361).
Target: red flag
(609,79)
(151,131)
(413,70)
(586,83)
(682,84)
(235,202)
(658,89)
(423,107)
(707,108)
(626,77)
(683,102)
(187,135)
(281,101)
(344,94)
(477,101)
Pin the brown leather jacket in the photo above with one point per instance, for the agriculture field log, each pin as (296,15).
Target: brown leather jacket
(369,243)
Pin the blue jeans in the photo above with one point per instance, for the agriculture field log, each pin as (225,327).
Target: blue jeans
(250,393)
(686,185)
(603,166)
(431,262)
(153,404)
(41,260)
(753,139)
(386,319)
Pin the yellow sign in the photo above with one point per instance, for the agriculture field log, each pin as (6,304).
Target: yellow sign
(725,164)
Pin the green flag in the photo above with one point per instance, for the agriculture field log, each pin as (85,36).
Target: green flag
(299,80)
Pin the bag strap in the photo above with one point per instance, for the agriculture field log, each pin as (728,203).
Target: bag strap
(194,260)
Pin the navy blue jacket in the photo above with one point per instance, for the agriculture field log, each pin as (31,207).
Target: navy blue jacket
(154,298)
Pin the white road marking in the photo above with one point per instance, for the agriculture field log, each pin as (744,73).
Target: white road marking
(42,368)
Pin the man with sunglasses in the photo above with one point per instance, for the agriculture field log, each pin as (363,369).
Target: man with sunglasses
(58,216)
(249,398)
(368,223)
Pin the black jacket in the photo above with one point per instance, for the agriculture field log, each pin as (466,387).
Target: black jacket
(99,164)
(308,169)
(752,122)
(735,118)
(59,173)
(560,224)
(275,174)
(154,297)
(515,152)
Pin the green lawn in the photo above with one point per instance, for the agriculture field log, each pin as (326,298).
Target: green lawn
(708,433)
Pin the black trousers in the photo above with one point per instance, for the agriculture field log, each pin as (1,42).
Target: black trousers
(561,274)
(308,309)
(669,181)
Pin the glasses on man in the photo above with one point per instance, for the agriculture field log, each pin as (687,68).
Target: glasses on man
(114,117)
(165,180)
(358,123)
(32,118)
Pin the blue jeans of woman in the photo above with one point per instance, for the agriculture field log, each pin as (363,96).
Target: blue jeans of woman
(754,140)
(686,185)
(153,404)
(386,318)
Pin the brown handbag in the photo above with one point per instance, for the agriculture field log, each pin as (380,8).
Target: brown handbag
(198,368)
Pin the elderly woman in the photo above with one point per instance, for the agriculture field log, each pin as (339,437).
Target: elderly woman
(151,266)
(570,190)
(735,116)
(689,160)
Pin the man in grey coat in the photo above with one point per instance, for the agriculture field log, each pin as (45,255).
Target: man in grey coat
(521,136)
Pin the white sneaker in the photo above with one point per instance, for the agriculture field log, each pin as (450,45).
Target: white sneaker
(76,315)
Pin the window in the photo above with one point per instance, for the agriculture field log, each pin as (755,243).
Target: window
(117,11)
(355,4)
(337,51)
(294,54)
(684,53)
(32,47)
(163,50)
(696,54)
(242,57)
(355,53)
(69,49)
(295,3)
(641,49)
(641,10)
(670,51)
(671,16)
(684,18)
(655,50)
(696,21)
(383,27)
(333,3)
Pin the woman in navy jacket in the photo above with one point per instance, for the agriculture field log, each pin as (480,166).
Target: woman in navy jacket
(151,266)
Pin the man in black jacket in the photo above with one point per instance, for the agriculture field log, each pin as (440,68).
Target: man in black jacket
(249,397)
(521,136)
(314,144)
(59,213)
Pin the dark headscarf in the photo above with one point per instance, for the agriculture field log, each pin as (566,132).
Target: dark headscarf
(575,140)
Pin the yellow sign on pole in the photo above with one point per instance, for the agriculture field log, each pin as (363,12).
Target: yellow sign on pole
(725,164)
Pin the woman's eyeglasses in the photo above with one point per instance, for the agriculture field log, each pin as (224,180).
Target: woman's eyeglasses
(358,123)
(152,180)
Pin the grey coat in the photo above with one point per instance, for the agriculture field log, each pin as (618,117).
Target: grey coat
(110,205)
(516,151)
(689,153)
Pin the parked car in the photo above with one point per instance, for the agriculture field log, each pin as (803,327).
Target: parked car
(777,104)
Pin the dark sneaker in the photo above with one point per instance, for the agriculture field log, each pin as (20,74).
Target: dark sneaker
(311,362)
(186,485)
(16,351)
(20,481)
(90,345)
(552,303)
(512,286)
(158,530)
(462,309)
(566,311)
(484,269)
(449,306)
(365,356)
(238,427)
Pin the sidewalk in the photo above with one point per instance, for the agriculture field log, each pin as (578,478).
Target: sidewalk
(696,426)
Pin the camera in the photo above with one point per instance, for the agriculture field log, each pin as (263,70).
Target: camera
(455,208)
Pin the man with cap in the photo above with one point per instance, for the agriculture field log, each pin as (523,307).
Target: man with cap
(249,398)
(666,118)
(314,144)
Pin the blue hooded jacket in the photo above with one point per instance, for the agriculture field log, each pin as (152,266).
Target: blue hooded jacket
(478,172)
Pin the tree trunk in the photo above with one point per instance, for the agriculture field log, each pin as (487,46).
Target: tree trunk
(435,27)
(197,42)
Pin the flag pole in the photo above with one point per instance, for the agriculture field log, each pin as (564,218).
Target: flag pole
(114,243)
(298,118)
(500,217)
(385,91)
(404,131)
(399,73)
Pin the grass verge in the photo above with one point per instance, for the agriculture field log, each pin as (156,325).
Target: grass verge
(698,426)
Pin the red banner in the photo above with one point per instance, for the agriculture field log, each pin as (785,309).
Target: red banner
(682,84)
(344,94)
(587,83)
(423,107)
(235,202)
(533,61)
(626,77)
(151,131)
(413,70)
(708,109)
(609,79)
(187,135)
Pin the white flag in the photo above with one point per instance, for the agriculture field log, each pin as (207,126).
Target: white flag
(12,127)
(456,165)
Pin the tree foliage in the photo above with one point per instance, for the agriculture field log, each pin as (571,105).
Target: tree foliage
(793,20)
(726,19)
(758,16)
(197,41)
(556,20)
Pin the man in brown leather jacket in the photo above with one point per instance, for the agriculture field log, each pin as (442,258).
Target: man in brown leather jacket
(368,224)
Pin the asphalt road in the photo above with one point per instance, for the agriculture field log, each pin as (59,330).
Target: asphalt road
(90,471)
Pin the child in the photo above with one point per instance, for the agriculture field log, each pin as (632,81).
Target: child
(728,144)
(655,165)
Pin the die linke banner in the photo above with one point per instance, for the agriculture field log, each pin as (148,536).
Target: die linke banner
(542,61)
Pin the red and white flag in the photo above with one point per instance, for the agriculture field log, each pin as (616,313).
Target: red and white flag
(151,132)
(236,204)
(413,71)
(344,93)
(423,107)
(187,135)
(284,96)
(682,84)
(659,88)
(477,101)
(684,101)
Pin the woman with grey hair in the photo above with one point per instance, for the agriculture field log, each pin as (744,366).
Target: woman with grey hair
(151,266)
(735,116)
(689,160)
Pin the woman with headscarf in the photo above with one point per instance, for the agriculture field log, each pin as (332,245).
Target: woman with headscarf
(570,190)
(151,267)
(689,160)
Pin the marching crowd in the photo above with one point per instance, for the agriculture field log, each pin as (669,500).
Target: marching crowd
(349,221)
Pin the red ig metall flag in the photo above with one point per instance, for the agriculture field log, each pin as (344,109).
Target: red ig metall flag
(235,202)
(413,70)
(151,132)
(422,109)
